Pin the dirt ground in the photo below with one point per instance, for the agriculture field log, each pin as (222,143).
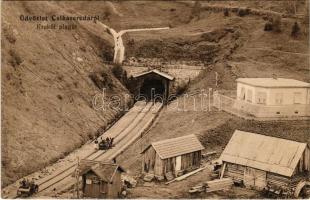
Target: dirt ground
(214,129)
(180,189)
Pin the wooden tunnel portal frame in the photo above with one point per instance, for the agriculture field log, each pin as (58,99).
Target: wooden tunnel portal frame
(153,81)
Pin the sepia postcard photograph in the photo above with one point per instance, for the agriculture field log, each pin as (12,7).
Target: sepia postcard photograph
(155,99)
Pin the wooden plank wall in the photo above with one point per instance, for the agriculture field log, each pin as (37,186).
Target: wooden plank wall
(115,188)
(93,189)
(236,172)
(278,180)
(149,158)
(191,160)
(159,166)
(169,165)
(304,163)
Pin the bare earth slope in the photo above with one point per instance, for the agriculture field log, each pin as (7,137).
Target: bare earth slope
(46,89)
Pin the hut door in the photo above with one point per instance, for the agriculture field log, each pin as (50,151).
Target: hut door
(254,178)
(249,177)
(96,188)
(260,179)
(178,163)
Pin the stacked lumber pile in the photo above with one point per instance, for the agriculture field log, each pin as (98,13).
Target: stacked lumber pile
(211,186)
(169,176)
(198,188)
(148,177)
(219,184)
(180,178)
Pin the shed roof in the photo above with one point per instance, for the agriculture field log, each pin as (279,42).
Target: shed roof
(262,152)
(176,146)
(105,171)
(272,82)
(163,74)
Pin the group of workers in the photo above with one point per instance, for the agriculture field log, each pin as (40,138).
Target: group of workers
(108,141)
(25,183)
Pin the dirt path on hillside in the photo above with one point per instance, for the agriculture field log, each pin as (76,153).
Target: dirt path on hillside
(277,51)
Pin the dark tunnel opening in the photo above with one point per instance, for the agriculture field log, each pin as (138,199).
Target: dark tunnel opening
(152,89)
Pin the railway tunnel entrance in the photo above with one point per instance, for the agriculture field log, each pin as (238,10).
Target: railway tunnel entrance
(153,85)
(152,88)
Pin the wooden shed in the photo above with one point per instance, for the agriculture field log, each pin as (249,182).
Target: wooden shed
(172,157)
(100,179)
(260,161)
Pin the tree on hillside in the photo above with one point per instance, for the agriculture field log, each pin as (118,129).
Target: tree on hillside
(226,12)
(196,10)
(106,15)
(305,21)
(276,22)
(295,30)
(306,13)
(290,7)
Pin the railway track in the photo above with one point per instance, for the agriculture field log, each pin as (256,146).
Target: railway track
(122,141)
(125,131)
(116,134)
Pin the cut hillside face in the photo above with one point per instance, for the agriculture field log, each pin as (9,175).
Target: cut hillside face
(47,90)
(232,46)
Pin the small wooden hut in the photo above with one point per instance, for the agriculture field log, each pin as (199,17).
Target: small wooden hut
(261,162)
(172,157)
(100,179)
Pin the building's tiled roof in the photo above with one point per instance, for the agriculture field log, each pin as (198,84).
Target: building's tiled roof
(177,146)
(272,82)
(103,170)
(163,74)
(262,152)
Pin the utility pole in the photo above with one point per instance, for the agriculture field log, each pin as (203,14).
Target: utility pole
(210,89)
(216,79)
(77,176)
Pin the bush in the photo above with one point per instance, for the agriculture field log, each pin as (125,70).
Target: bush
(277,24)
(226,12)
(196,10)
(295,30)
(274,24)
(118,72)
(16,59)
(243,12)
(9,34)
(181,88)
(101,80)
(268,26)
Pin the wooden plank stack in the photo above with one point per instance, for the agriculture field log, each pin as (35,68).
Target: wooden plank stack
(219,184)
(211,186)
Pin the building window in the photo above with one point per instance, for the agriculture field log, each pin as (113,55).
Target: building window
(249,96)
(279,98)
(88,181)
(261,97)
(297,98)
(242,94)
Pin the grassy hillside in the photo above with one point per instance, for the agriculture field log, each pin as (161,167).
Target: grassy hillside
(47,91)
